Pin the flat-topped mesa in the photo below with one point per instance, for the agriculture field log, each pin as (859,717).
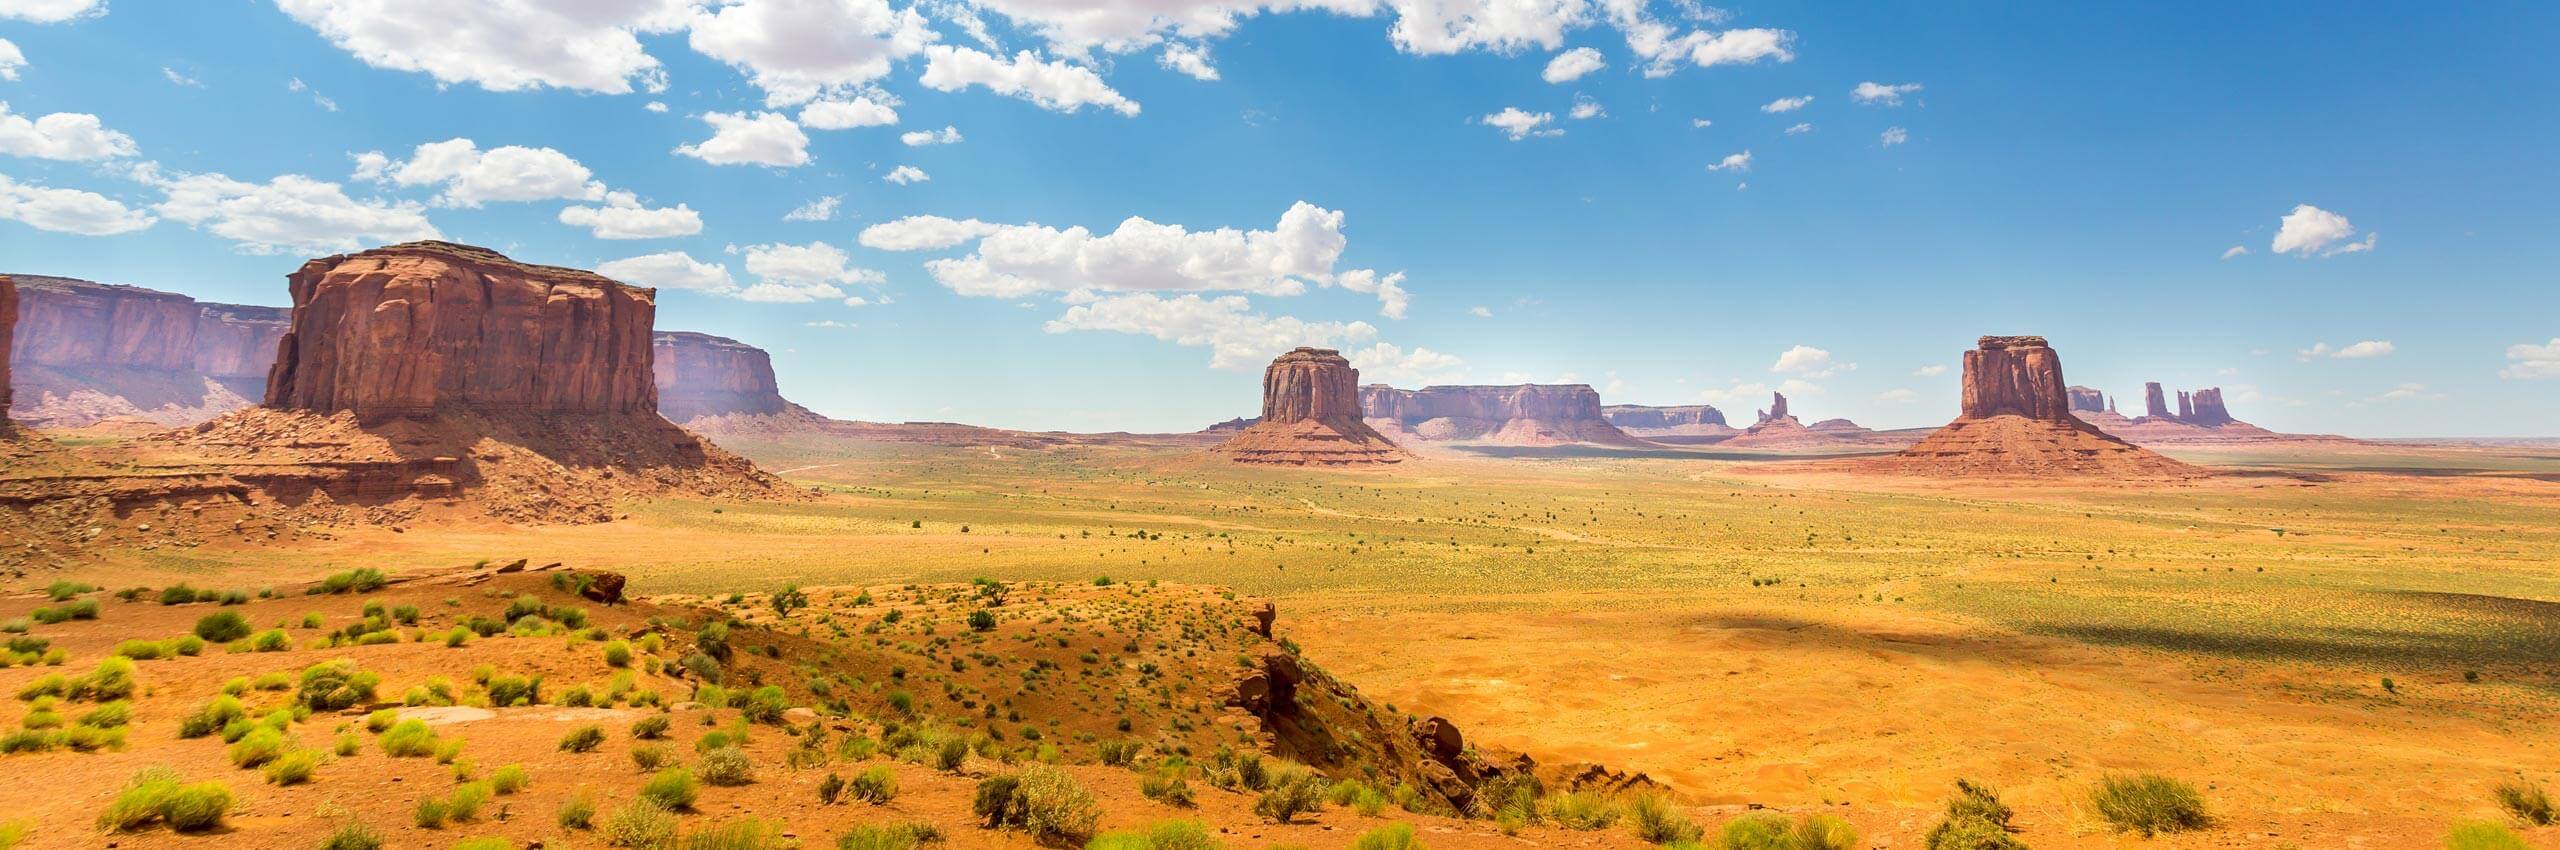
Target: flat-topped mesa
(2087,399)
(89,351)
(1516,414)
(1311,416)
(424,327)
(1675,416)
(2015,376)
(2016,422)
(701,375)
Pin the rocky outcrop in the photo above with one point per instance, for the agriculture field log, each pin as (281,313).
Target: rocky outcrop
(1776,413)
(8,339)
(1311,417)
(1630,417)
(2154,403)
(700,375)
(1517,415)
(2016,422)
(2207,409)
(88,352)
(424,327)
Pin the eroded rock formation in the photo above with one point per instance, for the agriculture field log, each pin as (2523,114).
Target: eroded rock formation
(426,326)
(2089,399)
(88,352)
(1311,416)
(1634,416)
(2016,422)
(1519,415)
(702,375)
(8,339)
(2154,403)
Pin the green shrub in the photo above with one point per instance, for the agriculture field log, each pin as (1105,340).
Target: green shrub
(158,795)
(2149,804)
(364,580)
(651,757)
(1767,831)
(643,823)
(335,685)
(1292,793)
(509,779)
(2483,835)
(875,785)
(223,627)
(1166,787)
(1054,807)
(1976,820)
(63,590)
(507,691)
(112,679)
(903,836)
(584,739)
(295,766)
(271,640)
(196,808)
(215,714)
(617,654)
(727,767)
(578,812)
(2526,801)
(1656,822)
(429,813)
(673,788)
(950,755)
(650,728)
(484,844)
(177,595)
(747,834)
(260,746)
(409,739)
(466,801)
(110,715)
(1582,810)
(352,836)
(1394,836)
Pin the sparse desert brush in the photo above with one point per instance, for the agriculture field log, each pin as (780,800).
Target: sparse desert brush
(2526,801)
(746,834)
(362,580)
(484,843)
(901,836)
(617,654)
(1394,836)
(1653,819)
(112,679)
(295,766)
(876,785)
(650,728)
(260,746)
(673,788)
(1975,820)
(1768,831)
(271,640)
(1167,787)
(223,627)
(1053,806)
(352,836)
(727,767)
(335,685)
(645,824)
(1581,810)
(160,795)
(1292,792)
(584,739)
(408,739)
(2149,804)
(2483,835)
(651,757)
(509,779)
(466,800)
(578,812)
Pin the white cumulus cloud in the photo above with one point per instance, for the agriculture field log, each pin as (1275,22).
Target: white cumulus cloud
(1733,162)
(623,217)
(1521,125)
(2311,231)
(65,136)
(946,136)
(1875,94)
(924,233)
(1188,59)
(869,110)
(1237,337)
(1584,108)
(1388,363)
(502,45)
(798,274)
(2527,360)
(822,209)
(51,11)
(2365,350)
(68,210)
(289,214)
(1895,135)
(1809,362)
(1573,64)
(905,175)
(1056,86)
(471,176)
(1786,104)
(765,138)
(671,270)
(2235,251)
(12,60)
(801,50)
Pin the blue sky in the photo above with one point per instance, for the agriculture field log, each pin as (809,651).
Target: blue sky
(2074,170)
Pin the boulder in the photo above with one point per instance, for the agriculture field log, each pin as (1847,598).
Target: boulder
(423,327)
(1311,417)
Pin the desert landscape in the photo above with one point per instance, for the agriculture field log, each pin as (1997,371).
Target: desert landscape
(1685,456)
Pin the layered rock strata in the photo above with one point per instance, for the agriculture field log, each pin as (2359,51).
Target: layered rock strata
(89,352)
(2016,422)
(1311,417)
(1517,415)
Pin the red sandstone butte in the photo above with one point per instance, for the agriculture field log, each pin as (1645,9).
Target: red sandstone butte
(1516,415)
(1311,416)
(8,328)
(423,327)
(2017,422)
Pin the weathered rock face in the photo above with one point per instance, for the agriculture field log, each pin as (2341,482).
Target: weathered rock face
(1643,416)
(1777,411)
(2088,399)
(2017,422)
(434,326)
(2154,404)
(2014,376)
(703,375)
(89,351)
(1523,414)
(2207,409)
(8,331)
(1311,416)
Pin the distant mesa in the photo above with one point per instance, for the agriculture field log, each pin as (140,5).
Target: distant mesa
(2198,417)
(1777,429)
(1515,415)
(701,375)
(1692,424)
(2016,422)
(87,353)
(8,344)
(1311,417)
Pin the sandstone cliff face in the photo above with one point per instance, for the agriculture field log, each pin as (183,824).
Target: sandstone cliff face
(1634,416)
(1311,416)
(2154,404)
(91,351)
(8,339)
(1524,414)
(2208,410)
(701,375)
(2017,422)
(423,327)
(2087,399)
